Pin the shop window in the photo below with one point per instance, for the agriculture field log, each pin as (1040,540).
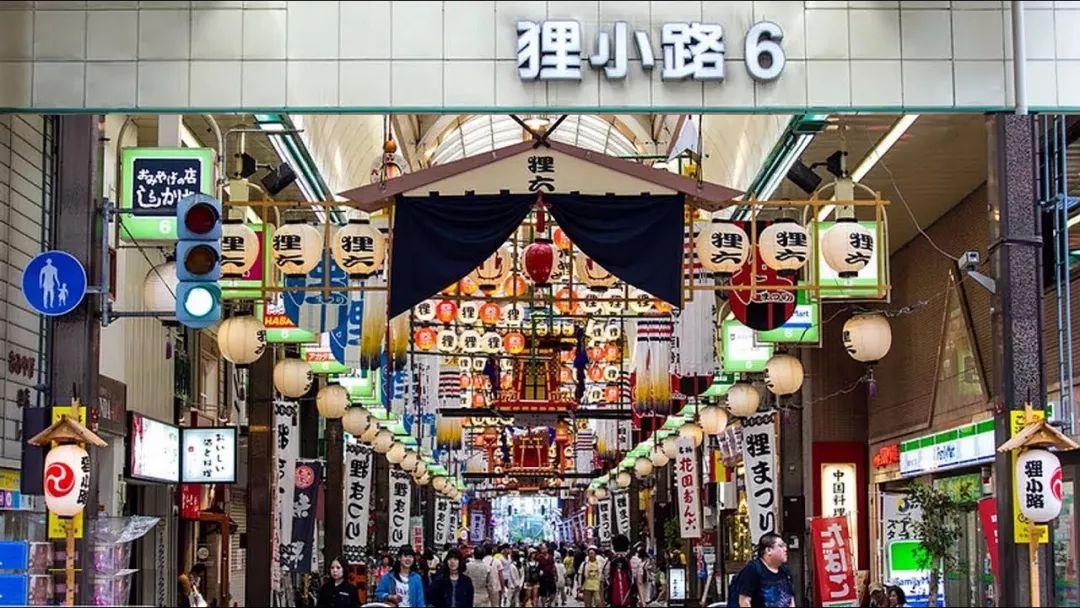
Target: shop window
(1066,579)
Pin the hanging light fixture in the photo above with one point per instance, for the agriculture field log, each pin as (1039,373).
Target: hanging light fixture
(784,246)
(239,248)
(601,493)
(743,399)
(847,247)
(783,374)
(293,377)
(409,462)
(356,421)
(669,447)
(643,467)
(332,401)
(396,453)
(722,247)
(296,248)
(358,248)
(159,289)
(539,261)
(439,483)
(241,340)
(867,337)
(713,420)
(623,479)
(66,469)
(657,456)
(1038,471)
(368,436)
(692,431)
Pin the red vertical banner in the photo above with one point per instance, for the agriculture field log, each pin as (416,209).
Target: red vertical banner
(190,500)
(988,519)
(835,571)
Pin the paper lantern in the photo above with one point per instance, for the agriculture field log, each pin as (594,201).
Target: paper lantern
(566,301)
(372,431)
(692,431)
(669,447)
(421,466)
(67,479)
(624,479)
(469,313)
(847,247)
(601,493)
(640,302)
(593,275)
(514,343)
(490,313)
(867,337)
(424,311)
(355,421)
(784,246)
(293,377)
(657,456)
(1038,485)
(611,393)
(239,248)
(515,286)
(490,342)
(743,399)
(446,311)
(783,374)
(296,248)
(332,401)
(396,453)
(513,314)
(425,338)
(409,462)
(424,479)
(448,341)
(383,441)
(592,500)
(713,420)
(493,271)
(470,341)
(540,261)
(643,467)
(241,340)
(159,289)
(439,483)
(560,239)
(590,302)
(722,247)
(358,248)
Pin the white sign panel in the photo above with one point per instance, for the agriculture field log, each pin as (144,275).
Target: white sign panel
(209,455)
(400,506)
(760,441)
(622,512)
(604,520)
(357,499)
(476,526)
(287,450)
(838,498)
(688,488)
(444,521)
(155,450)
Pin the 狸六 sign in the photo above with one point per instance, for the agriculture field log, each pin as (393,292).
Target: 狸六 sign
(153,181)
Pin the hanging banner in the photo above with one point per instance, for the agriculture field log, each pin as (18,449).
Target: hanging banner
(686,485)
(287,448)
(400,507)
(834,565)
(622,512)
(299,556)
(443,521)
(760,440)
(988,519)
(476,526)
(357,502)
(604,522)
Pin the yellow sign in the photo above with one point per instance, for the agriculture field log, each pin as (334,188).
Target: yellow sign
(10,480)
(57,528)
(1020,523)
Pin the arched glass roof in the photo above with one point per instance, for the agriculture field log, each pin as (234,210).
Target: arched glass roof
(486,132)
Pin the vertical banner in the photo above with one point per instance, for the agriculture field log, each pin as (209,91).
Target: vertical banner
(622,512)
(476,526)
(988,519)
(760,441)
(400,507)
(287,449)
(357,508)
(832,557)
(686,485)
(605,520)
(443,521)
(300,553)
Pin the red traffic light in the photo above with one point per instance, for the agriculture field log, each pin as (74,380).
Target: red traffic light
(200,259)
(201,218)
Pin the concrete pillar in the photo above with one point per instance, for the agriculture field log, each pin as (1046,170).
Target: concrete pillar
(260,488)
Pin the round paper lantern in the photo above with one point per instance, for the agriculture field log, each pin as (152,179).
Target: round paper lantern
(446,311)
(592,500)
(439,483)
(159,289)
(669,447)
(713,420)
(493,271)
(372,431)
(540,261)
(490,313)
(293,377)
(566,301)
(355,421)
(640,302)
(611,393)
(241,340)
(425,338)
(515,286)
(590,303)
(847,247)
(513,314)
(722,247)
(424,311)
(332,401)
(783,374)
(657,456)
(296,248)
(424,479)
(561,240)
(491,342)
(67,479)
(396,453)
(692,431)
(612,352)
(593,275)
(409,462)
(867,337)
(421,466)
(239,248)
(623,479)
(469,313)
(448,341)
(514,343)
(743,399)
(358,248)
(643,466)
(601,493)
(470,341)
(1038,485)
(784,246)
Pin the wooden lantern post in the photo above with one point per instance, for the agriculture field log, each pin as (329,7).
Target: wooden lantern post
(1035,434)
(68,430)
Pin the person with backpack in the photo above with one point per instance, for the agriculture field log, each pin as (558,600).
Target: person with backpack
(590,579)
(620,589)
(764,582)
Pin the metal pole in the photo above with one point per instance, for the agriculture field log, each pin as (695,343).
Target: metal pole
(1019,57)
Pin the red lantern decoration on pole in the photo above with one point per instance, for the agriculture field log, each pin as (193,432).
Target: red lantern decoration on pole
(539,261)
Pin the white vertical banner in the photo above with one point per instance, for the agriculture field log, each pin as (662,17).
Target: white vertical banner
(688,488)
(400,507)
(604,521)
(760,441)
(476,526)
(622,512)
(357,499)
(287,450)
(444,524)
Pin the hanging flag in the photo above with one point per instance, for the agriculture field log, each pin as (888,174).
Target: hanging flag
(346,337)
(832,556)
(287,448)
(444,531)
(477,526)
(357,502)
(760,440)
(312,310)
(299,555)
(622,512)
(400,507)
(686,485)
(605,520)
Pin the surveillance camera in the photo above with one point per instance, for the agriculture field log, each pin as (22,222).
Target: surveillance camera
(969,260)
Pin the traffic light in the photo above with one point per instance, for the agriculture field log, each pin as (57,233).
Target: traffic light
(198,261)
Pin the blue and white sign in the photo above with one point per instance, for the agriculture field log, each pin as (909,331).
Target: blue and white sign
(54,283)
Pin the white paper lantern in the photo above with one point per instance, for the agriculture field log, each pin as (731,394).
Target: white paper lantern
(743,399)
(657,456)
(159,289)
(722,247)
(1038,485)
(424,479)
(592,275)
(491,343)
(469,313)
(241,340)
(332,401)
(293,377)
(784,246)
(669,446)
(356,421)
(439,483)
(692,431)
(409,462)
(396,453)
(867,337)
(489,275)
(847,247)
(470,341)
(368,436)
(421,466)
(601,493)
(358,248)
(239,248)
(783,374)
(424,311)
(624,479)
(643,467)
(592,500)
(296,248)
(447,339)
(590,302)
(67,479)
(713,420)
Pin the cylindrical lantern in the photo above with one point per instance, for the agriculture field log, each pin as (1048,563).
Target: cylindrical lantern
(743,399)
(713,420)
(601,493)
(624,479)
(358,248)
(722,247)
(424,479)
(592,500)
(493,271)
(657,456)
(67,479)
(396,453)
(368,436)
(514,343)
(868,337)
(332,401)
(292,377)
(355,421)
(409,462)
(1038,485)
(669,447)
(421,466)
(784,246)
(159,289)
(847,247)
(439,483)
(783,374)
(490,342)
(296,248)
(241,340)
(692,431)
(593,275)
(239,248)
(643,467)
(539,261)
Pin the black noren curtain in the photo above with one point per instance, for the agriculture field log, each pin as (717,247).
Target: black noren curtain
(439,239)
(636,238)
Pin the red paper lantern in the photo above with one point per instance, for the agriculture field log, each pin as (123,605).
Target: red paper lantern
(478,400)
(424,338)
(596,373)
(612,352)
(514,343)
(539,261)
(566,301)
(561,240)
(515,286)
(611,393)
(595,354)
(445,311)
(490,313)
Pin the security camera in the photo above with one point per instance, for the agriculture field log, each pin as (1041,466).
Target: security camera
(968,263)
(969,260)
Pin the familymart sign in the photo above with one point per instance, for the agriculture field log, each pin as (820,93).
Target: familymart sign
(958,447)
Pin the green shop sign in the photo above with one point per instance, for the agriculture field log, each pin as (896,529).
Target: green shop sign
(742,353)
(153,180)
(962,446)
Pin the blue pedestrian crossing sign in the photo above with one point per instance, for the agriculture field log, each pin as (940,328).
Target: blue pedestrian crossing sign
(54,283)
